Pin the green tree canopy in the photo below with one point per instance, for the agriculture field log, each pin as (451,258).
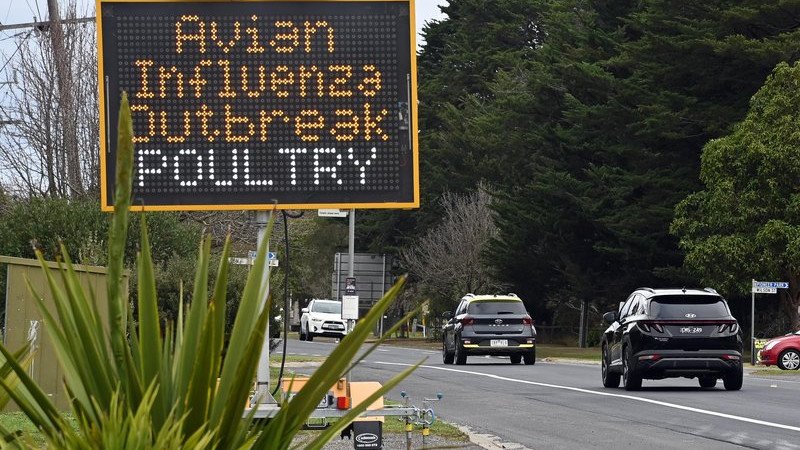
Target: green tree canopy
(746,222)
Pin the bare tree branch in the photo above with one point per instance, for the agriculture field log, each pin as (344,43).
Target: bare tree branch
(448,261)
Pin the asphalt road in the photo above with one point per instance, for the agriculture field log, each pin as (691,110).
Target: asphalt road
(562,405)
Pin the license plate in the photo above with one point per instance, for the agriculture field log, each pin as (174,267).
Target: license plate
(499,343)
(691,330)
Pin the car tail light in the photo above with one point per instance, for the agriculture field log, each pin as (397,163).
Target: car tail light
(527,320)
(467,320)
(731,357)
(733,327)
(648,325)
(650,357)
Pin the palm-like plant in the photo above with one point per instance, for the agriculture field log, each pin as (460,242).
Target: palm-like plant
(146,387)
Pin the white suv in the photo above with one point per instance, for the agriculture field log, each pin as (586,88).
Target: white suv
(322,318)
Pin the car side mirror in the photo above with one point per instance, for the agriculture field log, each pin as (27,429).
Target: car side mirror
(447,315)
(304,310)
(610,316)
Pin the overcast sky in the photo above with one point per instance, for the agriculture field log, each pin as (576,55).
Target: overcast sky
(17,11)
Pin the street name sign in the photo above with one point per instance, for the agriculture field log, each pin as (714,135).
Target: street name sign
(765,290)
(771,284)
(332,213)
(250,104)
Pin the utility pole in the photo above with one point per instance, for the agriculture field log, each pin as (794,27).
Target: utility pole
(66,99)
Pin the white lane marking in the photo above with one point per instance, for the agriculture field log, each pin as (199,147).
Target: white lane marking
(772,380)
(609,394)
(382,350)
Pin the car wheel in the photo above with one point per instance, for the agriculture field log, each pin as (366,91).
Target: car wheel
(610,380)
(461,354)
(733,381)
(447,357)
(789,360)
(530,357)
(707,382)
(302,333)
(630,377)
(516,359)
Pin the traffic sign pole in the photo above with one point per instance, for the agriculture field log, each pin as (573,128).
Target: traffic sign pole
(753,324)
(760,287)
(262,375)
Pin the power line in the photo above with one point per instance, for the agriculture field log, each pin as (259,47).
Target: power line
(19,46)
(44,25)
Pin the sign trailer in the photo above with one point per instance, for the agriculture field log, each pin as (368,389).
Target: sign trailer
(243,104)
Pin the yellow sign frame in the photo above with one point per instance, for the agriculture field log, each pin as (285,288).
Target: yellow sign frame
(104,200)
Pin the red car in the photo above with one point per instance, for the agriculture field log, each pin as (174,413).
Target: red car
(782,351)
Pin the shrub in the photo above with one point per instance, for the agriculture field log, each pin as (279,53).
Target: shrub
(144,386)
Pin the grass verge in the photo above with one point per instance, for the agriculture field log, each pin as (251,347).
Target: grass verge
(774,372)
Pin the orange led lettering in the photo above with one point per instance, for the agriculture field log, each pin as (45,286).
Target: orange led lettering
(286,42)
(281,77)
(312,30)
(151,123)
(226,74)
(262,82)
(267,118)
(225,46)
(371,84)
(144,91)
(300,125)
(204,113)
(255,46)
(199,35)
(346,72)
(306,74)
(371,123)
(176,138)
(349,126)
(231,120)
(197,81)
(164,74)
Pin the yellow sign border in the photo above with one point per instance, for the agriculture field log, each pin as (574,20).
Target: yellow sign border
(104,201)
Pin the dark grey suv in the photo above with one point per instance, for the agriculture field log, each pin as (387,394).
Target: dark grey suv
(664,333)
(489,325)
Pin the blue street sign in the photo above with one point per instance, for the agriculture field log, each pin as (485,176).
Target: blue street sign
(771,284)
(272,255)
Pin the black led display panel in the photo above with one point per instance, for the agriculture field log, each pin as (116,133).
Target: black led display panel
(240,105)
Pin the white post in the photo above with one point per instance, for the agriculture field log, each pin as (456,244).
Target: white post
(752,323)
(262,377)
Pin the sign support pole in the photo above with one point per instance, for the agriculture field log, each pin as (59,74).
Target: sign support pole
(262,377)
(753,325)
(351,248)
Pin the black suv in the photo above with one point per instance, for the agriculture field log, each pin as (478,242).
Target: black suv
(489,325)
(664,333)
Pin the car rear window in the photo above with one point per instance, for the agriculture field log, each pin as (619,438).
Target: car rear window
(496,307)
(327,307)
(688,306)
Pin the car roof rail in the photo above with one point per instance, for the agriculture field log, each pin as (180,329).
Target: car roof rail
(511,294)
(646,289)
(469,295)
(712,290)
